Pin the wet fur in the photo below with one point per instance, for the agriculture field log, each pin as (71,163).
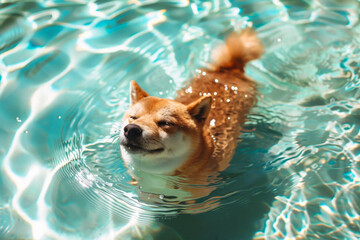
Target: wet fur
(210,132)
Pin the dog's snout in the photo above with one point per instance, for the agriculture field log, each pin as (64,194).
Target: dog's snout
(132,131)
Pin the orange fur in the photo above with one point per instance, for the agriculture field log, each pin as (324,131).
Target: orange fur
(233,96)
(209,111)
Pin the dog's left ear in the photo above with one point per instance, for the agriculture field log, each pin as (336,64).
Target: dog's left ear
(199,109)
(136,93)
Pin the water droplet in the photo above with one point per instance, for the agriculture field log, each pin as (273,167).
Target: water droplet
(188,90)
(161,196)
(18,119)
(227,100)
(26,131)
(59,117)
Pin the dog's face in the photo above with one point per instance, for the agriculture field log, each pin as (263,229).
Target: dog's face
(159,135)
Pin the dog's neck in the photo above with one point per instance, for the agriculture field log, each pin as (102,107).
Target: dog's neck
(200,162)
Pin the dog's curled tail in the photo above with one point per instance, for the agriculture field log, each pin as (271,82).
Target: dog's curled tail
(239,48)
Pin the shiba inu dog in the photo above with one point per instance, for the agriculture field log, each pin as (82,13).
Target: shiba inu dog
(196,134)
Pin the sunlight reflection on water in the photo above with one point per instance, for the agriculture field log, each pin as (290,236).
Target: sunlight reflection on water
(65,69)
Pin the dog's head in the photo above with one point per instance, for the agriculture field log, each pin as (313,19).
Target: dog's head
(159,135)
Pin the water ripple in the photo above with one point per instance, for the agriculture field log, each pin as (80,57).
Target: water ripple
(65,69)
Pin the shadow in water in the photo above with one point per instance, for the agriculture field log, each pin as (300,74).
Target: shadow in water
(239,220)
(242,214)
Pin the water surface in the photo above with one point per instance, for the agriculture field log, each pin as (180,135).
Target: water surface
(65,68)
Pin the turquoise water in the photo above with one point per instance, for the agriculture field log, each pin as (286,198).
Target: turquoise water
(65,68)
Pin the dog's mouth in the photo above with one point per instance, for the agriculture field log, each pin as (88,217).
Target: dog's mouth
(134,148)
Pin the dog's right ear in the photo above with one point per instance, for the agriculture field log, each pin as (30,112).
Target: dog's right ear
(136,93)
(200,108)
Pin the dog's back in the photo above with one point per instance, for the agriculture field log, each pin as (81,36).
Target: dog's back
(233,96)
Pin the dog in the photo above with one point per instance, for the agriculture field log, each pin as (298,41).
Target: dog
(195,135)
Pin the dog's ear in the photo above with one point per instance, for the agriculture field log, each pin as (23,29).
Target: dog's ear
(200,108)
(136,93)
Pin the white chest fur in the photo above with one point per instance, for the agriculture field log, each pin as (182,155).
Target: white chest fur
(162,186)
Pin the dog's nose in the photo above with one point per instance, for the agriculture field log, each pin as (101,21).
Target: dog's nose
(132,131)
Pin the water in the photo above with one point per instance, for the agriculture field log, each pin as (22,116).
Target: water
(65,70)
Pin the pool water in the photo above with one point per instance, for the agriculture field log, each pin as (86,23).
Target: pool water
(65,68)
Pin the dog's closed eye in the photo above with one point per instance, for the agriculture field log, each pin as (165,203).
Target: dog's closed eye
(165,123)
